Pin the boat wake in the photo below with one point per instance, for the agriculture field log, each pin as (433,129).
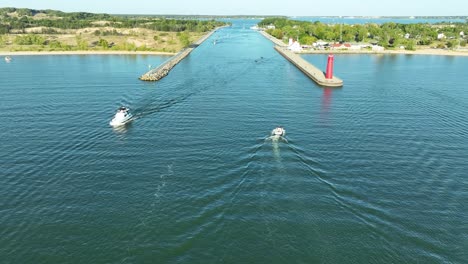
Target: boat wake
(151,108)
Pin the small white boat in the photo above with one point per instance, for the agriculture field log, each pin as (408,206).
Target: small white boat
(7,59)
(122,117)
(278,132)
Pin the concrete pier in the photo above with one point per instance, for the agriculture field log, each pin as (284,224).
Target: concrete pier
(162,70)
(310,70)
(273,39)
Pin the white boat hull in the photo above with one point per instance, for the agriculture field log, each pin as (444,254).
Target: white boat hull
(115,122)
(278,132)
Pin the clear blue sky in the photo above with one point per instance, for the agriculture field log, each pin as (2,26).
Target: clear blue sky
(255,7)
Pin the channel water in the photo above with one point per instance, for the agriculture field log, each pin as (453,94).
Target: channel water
(373,172)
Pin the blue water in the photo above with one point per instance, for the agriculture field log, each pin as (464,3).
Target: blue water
(374,172)
(378,20)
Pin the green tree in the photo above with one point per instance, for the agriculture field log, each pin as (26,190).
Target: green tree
(463,43)
(277,33)
(361,33)
(30,39)
(307,40)
(103,43)
(410,45)
(184,39)
(452,44)
(55,44)
(81,44)
(425,41)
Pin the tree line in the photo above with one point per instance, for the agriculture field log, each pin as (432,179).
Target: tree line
(24,18)
(388,35)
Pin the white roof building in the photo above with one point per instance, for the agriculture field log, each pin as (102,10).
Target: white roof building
(294,45)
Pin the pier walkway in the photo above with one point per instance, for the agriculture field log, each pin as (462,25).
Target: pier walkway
(162,70)
(310,70)
(307,68)
(273,39)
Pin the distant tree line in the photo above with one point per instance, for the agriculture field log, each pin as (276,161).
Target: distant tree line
(387,35)
(24,18)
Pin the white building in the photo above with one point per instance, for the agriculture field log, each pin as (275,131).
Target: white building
(294,45)
(441,36)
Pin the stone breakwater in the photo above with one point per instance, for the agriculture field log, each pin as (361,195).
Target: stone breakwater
(164,69)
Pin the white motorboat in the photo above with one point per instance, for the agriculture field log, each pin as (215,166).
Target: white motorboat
(278,132)
(7,59)
(122,117)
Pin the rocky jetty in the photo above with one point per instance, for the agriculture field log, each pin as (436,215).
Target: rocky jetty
(163,70)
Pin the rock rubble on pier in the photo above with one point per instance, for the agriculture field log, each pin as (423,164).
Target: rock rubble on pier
(164,69)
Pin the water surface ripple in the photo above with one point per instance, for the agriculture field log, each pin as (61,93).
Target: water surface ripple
(373,172)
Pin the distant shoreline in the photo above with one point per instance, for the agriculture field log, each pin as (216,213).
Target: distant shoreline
(418,51)
(438,52)
(84,52)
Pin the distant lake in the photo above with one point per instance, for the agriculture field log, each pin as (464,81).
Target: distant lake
(373,172)
(376,20)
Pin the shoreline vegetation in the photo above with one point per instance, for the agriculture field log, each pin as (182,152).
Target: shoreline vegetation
(387,38)
(49,32)
(84,52)
(28,31)
(419,51)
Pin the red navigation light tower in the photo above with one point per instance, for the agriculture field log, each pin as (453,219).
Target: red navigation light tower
(329,72)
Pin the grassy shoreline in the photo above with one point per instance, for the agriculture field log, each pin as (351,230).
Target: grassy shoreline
(28,31)
(84,52)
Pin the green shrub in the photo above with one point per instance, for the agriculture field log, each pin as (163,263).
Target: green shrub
(30,39)
(184,39)
(410,45)
(103,43)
